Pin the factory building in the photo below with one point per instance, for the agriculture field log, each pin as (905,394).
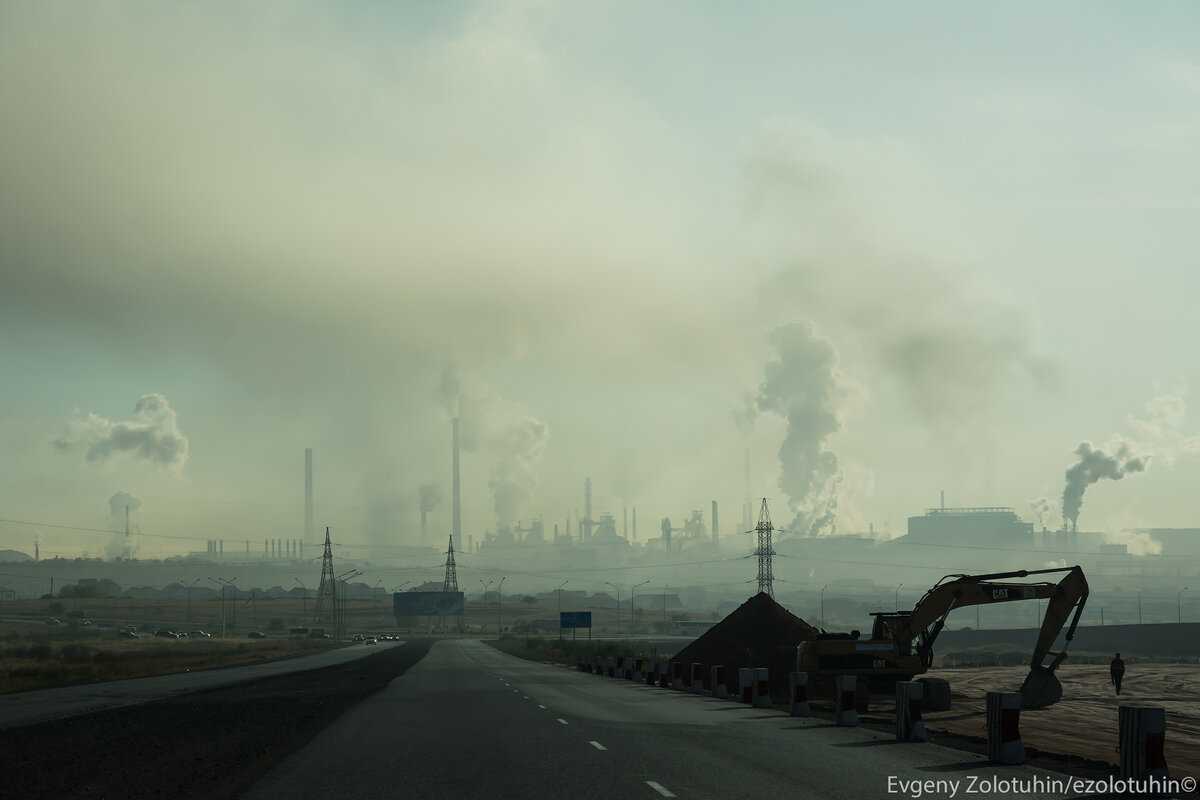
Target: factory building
(992,526)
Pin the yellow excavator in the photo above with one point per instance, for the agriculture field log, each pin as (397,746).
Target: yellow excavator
(901,643)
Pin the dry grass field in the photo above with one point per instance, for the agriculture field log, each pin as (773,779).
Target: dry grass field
(1084,722)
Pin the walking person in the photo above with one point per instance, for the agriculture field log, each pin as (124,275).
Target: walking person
(1116,670)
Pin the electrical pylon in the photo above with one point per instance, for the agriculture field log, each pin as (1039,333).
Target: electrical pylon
(764,551)
(327,591)
(450,583)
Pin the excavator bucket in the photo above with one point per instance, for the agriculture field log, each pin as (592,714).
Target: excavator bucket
(1040,689)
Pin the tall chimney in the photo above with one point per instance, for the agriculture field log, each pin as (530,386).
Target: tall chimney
(456,500)
(943,499)
(587,509)
(716,527)
(308,494)
(625,524)
(635,523)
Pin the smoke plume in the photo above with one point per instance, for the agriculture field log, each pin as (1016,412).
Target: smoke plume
(430,495)
(1095,465)
(120,545)
(1041,507)
(152,433)
(518,448)
(801,384)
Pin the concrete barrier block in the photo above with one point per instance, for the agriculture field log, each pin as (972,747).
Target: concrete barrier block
(910,727)
(1143,733)
(936,694)
(696,678)
(716,680)
(762,687)
(845,687)
(798,693)
(745,684)
(1004,728)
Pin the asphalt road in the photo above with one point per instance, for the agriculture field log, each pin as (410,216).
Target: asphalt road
(469,721)
(25,708)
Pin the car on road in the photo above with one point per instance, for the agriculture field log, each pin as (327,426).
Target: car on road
(129,635)
(369,640)
(358,637)
(200,635)
(165,634)
(256,635)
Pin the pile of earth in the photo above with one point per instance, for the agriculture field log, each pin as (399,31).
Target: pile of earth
(758,633)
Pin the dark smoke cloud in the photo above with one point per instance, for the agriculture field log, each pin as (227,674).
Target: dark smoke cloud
(519,448)
(801,385)
(152,433)
(1095,465)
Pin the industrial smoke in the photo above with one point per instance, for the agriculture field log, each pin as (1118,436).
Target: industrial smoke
(152,433)
(1094,465)
(119,506)
(518,448)
(802,385)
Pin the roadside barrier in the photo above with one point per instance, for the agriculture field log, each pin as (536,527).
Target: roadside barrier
(798,693)
(845,689)
(910,727)
(696,684)
(1004,728)
(1143,732)
(716,679)
(936,694)
(745,684)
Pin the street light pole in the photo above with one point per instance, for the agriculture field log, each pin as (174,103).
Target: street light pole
(633,603)
(1139,592)
(303,596)
(898,588)
(500,606)
(559,590)
(618,590)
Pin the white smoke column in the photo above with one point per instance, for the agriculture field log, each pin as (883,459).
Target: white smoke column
(1041,507)
(519,447)
(120,545)
(1095,465)
(152,433)
(802,385)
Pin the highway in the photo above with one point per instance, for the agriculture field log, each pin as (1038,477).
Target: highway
(25,708)
(471,722)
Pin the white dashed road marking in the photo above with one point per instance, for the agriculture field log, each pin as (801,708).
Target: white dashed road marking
(597,745)
(658,787)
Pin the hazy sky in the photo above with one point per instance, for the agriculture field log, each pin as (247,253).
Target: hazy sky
(292,220)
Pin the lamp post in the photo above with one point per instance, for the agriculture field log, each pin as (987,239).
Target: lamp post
(633,602)
(1179,604)
(618,590)
(559,591)
(500,605)
(823,588)
(486,587)
(189,599)
(898,588)
(303,596)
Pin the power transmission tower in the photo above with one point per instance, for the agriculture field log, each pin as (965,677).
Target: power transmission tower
(764,551)
(327,592)
(450,583)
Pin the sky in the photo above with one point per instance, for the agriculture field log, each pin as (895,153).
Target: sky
(891,250)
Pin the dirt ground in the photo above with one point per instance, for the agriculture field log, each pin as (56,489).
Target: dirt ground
(1084,722)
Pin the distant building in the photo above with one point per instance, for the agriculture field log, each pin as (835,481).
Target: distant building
(7,594)
(993,527)
(1176,541)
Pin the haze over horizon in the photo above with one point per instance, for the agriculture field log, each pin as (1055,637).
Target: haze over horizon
(897,252)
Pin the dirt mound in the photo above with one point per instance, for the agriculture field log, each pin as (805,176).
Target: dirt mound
(758,633)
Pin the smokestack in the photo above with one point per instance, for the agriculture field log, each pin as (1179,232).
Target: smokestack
(635,523)
(625,523)
(587,509)
(221,553)
(943,499)
(308,493)
(456,512)
(716,526)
